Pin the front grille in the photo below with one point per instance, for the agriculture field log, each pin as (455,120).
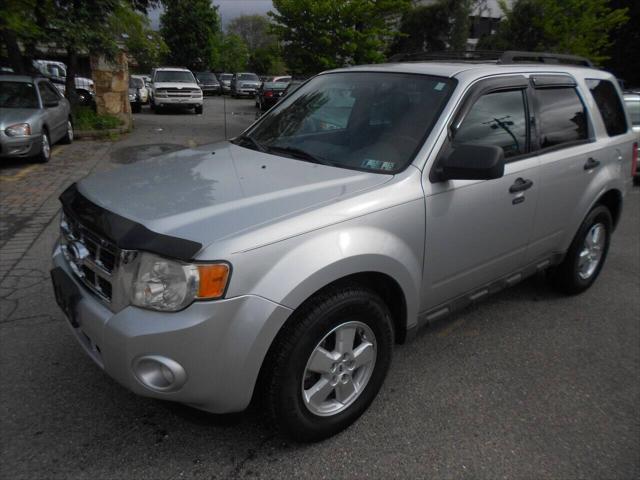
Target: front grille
(178,92)
(91,258)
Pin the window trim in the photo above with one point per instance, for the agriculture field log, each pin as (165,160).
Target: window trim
(503,83)
(538,123)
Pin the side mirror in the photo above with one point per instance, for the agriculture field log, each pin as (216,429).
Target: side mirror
(471,162)
(51,104)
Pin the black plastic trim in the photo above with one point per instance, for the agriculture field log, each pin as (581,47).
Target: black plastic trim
(125,233)
(552,81)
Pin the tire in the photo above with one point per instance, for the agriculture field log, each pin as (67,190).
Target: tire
(199,109)
(68,138)
(45,149)
(285,378)
(136,108)
(587,253)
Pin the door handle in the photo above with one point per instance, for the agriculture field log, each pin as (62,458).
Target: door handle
(591,163)
(520,185)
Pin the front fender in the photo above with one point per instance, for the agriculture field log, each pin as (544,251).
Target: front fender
(291,271)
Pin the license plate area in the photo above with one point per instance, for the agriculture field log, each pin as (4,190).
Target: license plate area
(67,294)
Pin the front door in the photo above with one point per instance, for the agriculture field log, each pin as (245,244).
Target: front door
(478,230)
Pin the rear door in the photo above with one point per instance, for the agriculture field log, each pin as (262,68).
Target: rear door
(570,162)
(478,230)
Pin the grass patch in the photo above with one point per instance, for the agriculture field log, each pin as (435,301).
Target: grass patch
(84,118)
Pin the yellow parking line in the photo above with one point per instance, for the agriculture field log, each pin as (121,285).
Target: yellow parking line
(56,150)
(17,176)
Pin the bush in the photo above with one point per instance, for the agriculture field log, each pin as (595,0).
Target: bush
(85,118)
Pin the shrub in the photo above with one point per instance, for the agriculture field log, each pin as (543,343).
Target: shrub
(86,119)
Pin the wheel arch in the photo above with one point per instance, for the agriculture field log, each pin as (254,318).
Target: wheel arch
(612,199)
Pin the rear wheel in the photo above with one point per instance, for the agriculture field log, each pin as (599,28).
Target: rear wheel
(329,363)
(198,109)
(587,253)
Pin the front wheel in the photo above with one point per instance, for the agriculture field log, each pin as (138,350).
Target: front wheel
(328,364)
(198,109)
(587,253)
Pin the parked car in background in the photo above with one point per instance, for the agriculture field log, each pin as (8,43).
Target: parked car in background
(244,84)
(33,116)
(57,73)
(269,93)
(135,99)
(208,83)
(141,85)
(175,87)
(225,81)
(292,86)
(280,79)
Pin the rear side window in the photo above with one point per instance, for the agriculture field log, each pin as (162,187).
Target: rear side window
(496,119)
(562,117)
(610,106)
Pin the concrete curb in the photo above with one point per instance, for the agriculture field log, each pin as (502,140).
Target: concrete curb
(99,134)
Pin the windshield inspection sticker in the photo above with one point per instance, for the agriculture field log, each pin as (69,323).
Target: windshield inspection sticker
(377,164)
(439,86)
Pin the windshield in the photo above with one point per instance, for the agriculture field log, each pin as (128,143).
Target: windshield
(248,76)
(174,76)
(18,95)
(359,120)
(136,83)
(226,76)
(206,77)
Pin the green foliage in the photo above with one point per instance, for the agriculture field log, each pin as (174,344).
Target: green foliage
(423,28)
(579,27)
(322,34)
(625,44)
(191,30)
(146,46)
(233,55)
(254,31)
(85,118)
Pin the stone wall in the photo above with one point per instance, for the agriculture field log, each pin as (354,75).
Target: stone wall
(111,79)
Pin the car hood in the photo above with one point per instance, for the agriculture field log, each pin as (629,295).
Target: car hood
(217,191)
(174,85)
(11,116)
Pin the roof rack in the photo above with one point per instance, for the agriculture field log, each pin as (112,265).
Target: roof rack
(485,56)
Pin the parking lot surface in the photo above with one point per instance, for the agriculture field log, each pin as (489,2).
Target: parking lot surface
(528,384)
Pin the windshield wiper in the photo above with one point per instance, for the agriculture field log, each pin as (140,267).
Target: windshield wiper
(254,143)
(300,154)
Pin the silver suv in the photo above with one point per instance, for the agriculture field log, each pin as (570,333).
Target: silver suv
(283,265)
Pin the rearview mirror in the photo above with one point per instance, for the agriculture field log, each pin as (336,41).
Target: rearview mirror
(51,104)
(471,162)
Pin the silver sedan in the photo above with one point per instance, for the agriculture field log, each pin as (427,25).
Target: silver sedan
(33,117)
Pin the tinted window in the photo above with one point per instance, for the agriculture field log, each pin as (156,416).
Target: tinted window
(562,116)
(610,106)
(47,93)
(333,119)
(18,95)
(497,119)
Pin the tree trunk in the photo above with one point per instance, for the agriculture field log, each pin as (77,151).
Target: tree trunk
(70,82)
(13,50)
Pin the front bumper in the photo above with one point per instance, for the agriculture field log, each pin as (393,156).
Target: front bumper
(220,345)
(249,92)
(210,89)
(177,101)
(16,147)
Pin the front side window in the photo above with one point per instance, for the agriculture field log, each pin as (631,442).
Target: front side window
(498,119)
(563,118)
(174,76)
(610,106)
(48,95)
(18,95)
(337,119)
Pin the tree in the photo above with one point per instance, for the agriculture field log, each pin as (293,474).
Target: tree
(191,30)
(423,29)
(254,30)
(459,14)
(625,45)
(322,34)
(234,54)
(579,27)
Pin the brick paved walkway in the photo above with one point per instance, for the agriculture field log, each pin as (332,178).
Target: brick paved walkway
(28,193)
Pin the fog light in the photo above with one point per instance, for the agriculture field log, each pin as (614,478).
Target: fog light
(159,373)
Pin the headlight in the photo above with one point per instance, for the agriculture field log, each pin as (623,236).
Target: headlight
(161,94)
(132,97)
(18,130)
(169,285)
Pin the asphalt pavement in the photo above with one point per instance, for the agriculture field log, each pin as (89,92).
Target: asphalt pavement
(528,384)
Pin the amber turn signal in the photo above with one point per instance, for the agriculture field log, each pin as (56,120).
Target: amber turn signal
(213,280)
